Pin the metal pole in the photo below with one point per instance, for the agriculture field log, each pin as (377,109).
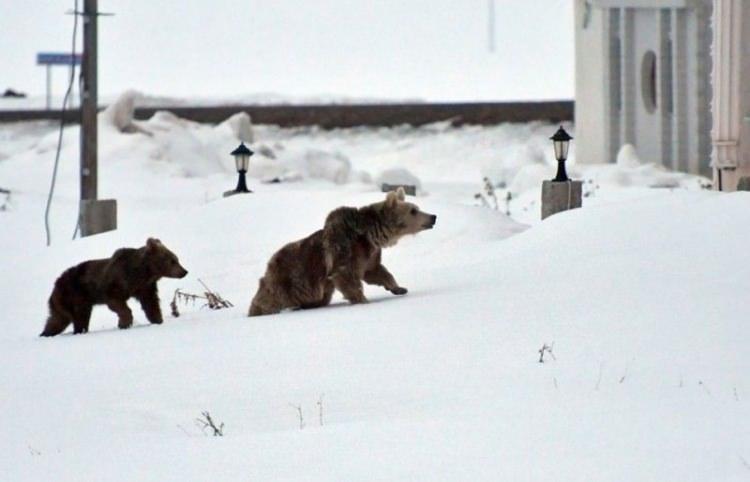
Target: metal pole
(89,106)
(49,87)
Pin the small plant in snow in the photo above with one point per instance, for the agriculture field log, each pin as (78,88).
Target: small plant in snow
(298,408)
(489,198)
(6,202)
(213,300)
(320,409)
(206,422)
(589,188)
(546,349)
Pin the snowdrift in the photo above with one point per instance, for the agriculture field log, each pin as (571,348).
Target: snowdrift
(647,383)
(639,294)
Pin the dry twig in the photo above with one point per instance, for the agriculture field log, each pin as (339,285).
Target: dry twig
(207,422)
(213,299)
(546,349)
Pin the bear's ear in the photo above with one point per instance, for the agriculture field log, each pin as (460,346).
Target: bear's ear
(391,199)
(400,193)
(152,243)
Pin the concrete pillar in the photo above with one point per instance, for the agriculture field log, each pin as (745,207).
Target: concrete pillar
(730,135)
(561,196)
(97,216)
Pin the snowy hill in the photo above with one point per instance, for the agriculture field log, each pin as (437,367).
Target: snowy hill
(638,293)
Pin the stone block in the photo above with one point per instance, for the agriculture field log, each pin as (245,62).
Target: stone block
(97,216)
(561,196)
(408,189)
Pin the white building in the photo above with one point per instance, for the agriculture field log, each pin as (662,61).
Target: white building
(671,77)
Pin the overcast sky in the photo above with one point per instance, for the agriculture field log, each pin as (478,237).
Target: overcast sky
(426,49)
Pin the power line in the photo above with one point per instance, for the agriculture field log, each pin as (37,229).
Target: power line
(62,125)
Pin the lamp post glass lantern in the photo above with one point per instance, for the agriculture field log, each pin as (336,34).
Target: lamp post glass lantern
(561,142)
(242,159)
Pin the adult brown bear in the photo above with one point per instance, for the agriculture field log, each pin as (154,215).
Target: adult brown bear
(347,251)
(112,281)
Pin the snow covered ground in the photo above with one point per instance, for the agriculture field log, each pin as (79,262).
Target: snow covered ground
(639,294)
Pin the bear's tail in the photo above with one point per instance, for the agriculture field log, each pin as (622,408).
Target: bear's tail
(54,326)
(58,319)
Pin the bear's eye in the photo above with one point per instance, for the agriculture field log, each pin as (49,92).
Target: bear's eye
(413,212)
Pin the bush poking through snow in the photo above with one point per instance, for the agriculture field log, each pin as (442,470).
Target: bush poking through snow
(206,422)
(489,198)
(213,300)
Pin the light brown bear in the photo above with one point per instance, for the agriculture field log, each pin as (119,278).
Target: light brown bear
(128,273)
(347,251)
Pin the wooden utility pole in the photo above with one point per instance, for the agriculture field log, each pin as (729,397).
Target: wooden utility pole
(96,216)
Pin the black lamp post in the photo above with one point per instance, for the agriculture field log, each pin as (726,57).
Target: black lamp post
(241,159)
(561,141)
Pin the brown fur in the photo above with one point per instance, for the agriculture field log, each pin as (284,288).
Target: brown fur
(112,281)
(347,251)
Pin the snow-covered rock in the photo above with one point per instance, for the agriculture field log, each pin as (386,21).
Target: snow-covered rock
(319,164)
(627,157)
(240,125)
(399,177)
(120,114)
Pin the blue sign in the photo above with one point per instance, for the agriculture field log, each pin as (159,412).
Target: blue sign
(54,58)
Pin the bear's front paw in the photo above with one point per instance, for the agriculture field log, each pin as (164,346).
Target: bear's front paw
(399,290)
(124,325)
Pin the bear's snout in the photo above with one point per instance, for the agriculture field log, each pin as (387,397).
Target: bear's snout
(179,272)
(431,223)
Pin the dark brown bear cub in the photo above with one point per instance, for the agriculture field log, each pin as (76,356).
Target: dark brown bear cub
(347,251)
(129,273)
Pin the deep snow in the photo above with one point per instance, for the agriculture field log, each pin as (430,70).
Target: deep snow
(640,291)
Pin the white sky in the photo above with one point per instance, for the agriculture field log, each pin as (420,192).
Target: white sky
(426,49)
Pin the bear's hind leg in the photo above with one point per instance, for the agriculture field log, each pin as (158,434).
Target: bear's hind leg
(350,286)
(266,300)
(125,316)
(324,299)
(81,317)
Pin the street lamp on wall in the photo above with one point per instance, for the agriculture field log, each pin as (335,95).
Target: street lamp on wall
(561,142)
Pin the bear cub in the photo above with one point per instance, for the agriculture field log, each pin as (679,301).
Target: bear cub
(129,273)
(347,251)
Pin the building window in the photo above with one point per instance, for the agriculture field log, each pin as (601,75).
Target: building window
(648,81)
